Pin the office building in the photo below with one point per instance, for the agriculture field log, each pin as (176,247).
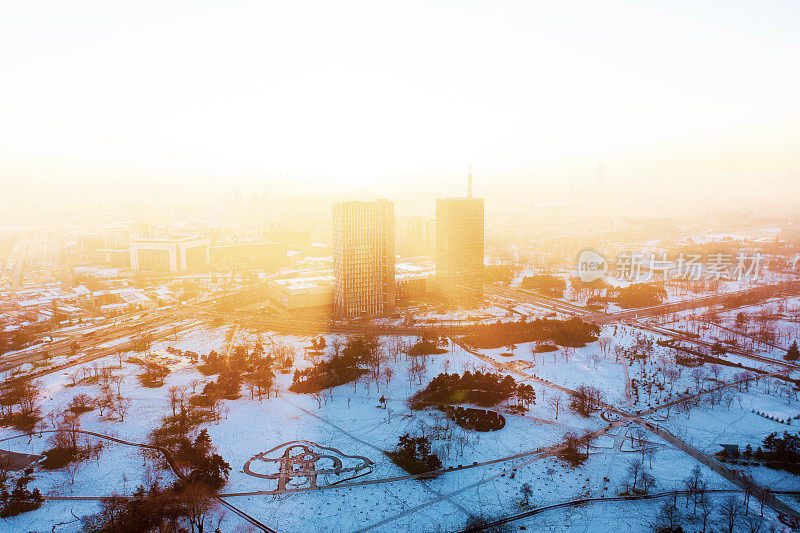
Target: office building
(363,258)
(459,249)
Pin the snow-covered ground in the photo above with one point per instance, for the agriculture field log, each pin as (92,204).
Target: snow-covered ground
(350,419)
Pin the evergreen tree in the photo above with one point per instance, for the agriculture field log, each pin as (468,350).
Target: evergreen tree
(792,354)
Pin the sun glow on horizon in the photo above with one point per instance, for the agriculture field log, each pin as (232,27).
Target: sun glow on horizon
(354,95)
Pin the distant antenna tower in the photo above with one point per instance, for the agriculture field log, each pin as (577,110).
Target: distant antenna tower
(600,174)
(469,182)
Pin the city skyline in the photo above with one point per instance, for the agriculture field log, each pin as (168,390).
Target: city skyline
(381,267)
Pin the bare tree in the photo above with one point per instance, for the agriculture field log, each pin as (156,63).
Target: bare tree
(72,470)
(699,375)
(417,369)
(106,403)
(68,425)
(121,406)
(554,401)
(668,518)
(671,375)
(648,482)
(533,353)
(730,512)
(174,393)
(705,511)
(604,341)
(754,523)
(586,399)
(81,403)
(634,471)
(388,374)
(336,344)
(26,394)
(74,378)
(526,492)
(638,439)
(567,352)
(649,452)
(317,395)
(199,503)
(716,370)
(116,382)
(619,351)
(695,486)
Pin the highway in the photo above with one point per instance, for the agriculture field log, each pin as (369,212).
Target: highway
(91,336)
(153,322)
(709,345)
(561,306)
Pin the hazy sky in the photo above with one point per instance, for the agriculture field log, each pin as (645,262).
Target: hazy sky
(340,93)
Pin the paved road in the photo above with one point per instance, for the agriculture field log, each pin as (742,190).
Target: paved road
(555,304)
(105,333)
(112,329)
(685,337)
(205,308)
(98,353)
(761,292)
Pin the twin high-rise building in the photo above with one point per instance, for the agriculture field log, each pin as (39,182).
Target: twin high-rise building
(364,255)
(459,250)
(363,258)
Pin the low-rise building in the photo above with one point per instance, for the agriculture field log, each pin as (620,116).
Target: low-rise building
(310,290)
(184,254)
(414,278)
(314,292)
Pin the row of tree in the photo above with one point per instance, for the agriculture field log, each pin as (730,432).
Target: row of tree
(18,404)
(484,389)
(572,332)
(344,366)
(633,296)
(413,454)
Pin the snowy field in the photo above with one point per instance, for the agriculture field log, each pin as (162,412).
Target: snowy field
(350,419)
